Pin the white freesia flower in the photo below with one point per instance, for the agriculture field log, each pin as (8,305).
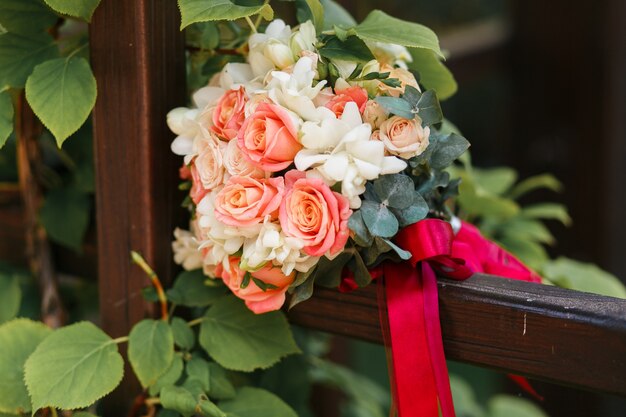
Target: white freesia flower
(388,53)
(295,91)
(341,150)
(270,50)
(303,39)
(271,244)
(182,122)
(186,252)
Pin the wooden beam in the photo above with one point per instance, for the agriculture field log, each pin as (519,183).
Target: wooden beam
(549,333)
(137,54)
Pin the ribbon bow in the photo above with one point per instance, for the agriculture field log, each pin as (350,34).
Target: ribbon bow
(419,365)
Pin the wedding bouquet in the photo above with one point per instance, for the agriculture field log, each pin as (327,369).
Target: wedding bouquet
(304,161)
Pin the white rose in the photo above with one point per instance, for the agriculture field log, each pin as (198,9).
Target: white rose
(237,165)
(209,164)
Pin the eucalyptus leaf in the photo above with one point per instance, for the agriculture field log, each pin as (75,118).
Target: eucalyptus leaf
(395,190)
(417,211)
(65,216)
(328,272)
(190,290)
(256,402)
(380,27)
(412,95)
(378,219)
(76,8)
(18,339)
(403,254)
(433,73)
(10,296)
(62,93)
(352,49)
(20,54)
(182,333)
(449,148)
(361,274)
(25,16)
(240,340)
(397,106)
(302,292)
(430,109)
(60,372)
(150,350)
(362,236)
(194,11)
(171,375)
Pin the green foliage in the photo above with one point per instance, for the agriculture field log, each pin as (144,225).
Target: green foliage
(150,350)
(378,219)
(256,402)
(62,93)
(83,414)
(190,289)
(65,216)
(433,74)
(311,10)
(510,406)
(582,276)
(18,339)
(10,296)
(183,335)
(73,367)
(76,8)
(335,14)
(25,16)
(20,54)
(194,11)
(446,149)
(380,27)
(240,340)
(6,117)
(350,49)
(220,386)
(171,375)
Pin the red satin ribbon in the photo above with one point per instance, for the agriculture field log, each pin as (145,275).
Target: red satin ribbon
(419,367)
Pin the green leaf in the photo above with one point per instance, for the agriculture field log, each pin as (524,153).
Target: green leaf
(403,254)
(183,335)
(328,273)
(18,339)
(256,402)
(552,211)
(198,369)
(25,16)
(73,368)
(164,412)
(397,106)
(83,414)
(449,148)
(76,8)
(362,236)
(352,49)
(533,183)
(361,274)
(150,350)
(204,35)
(527,229)
(417,211)
(240,340)
(302,292)
(194,11)
(495,180)
(170,376)
(465,402)
(510,406)
(209,409)
(430,109)
(65,216)
(378,219)
(221,387)
(62,93)
(311,10)
(19,54)
(335,14)
(531,253)
(396,190)
(190,290)
(380,27)
(178,399)
(433,73)
(10,296)
(582,276)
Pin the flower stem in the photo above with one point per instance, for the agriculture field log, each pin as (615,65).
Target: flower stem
(53,412)
(138,259)
(257,21)
(195,321)
(252,27)
(119,340)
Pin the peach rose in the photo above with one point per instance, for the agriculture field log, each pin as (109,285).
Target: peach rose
(237,165)
(374,114)
(245,201)
(256,299)
(268,138)
(356,94)
(197,191)
(403,137)
(405,77)
(228,115)
(209,165)
(314,213)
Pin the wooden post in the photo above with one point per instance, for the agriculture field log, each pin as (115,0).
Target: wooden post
(138,59)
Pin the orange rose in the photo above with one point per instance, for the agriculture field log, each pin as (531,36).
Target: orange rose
(245,201)
(403,137)
(268,138)
(315,214)
(228,115)
(256,299)
(356,94)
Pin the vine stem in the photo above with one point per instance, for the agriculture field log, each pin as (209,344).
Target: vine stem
(138,259)
(257,21)
(119,340)
(53,411)
(252,26)
(196,321)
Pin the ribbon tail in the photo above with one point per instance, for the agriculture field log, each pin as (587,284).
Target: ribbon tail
(435,341)
(525,385)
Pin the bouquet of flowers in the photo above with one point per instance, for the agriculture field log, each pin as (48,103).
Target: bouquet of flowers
(304,161)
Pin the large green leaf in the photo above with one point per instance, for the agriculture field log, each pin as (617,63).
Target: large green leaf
(65,216)
(73,368)
(221,387)
(190,289)
(510,406)
(10,296)
(433,73)
(183,335)
(582,276)
(335,14)
(170,376)
(77,8)
(240,340)
(19,54)
(193,11)
(25,16)
(380,27)
(352,49)
(62,93)
(495,180)
(311,10)
(18,339)
(256,402)
(6,117)
(150,350)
